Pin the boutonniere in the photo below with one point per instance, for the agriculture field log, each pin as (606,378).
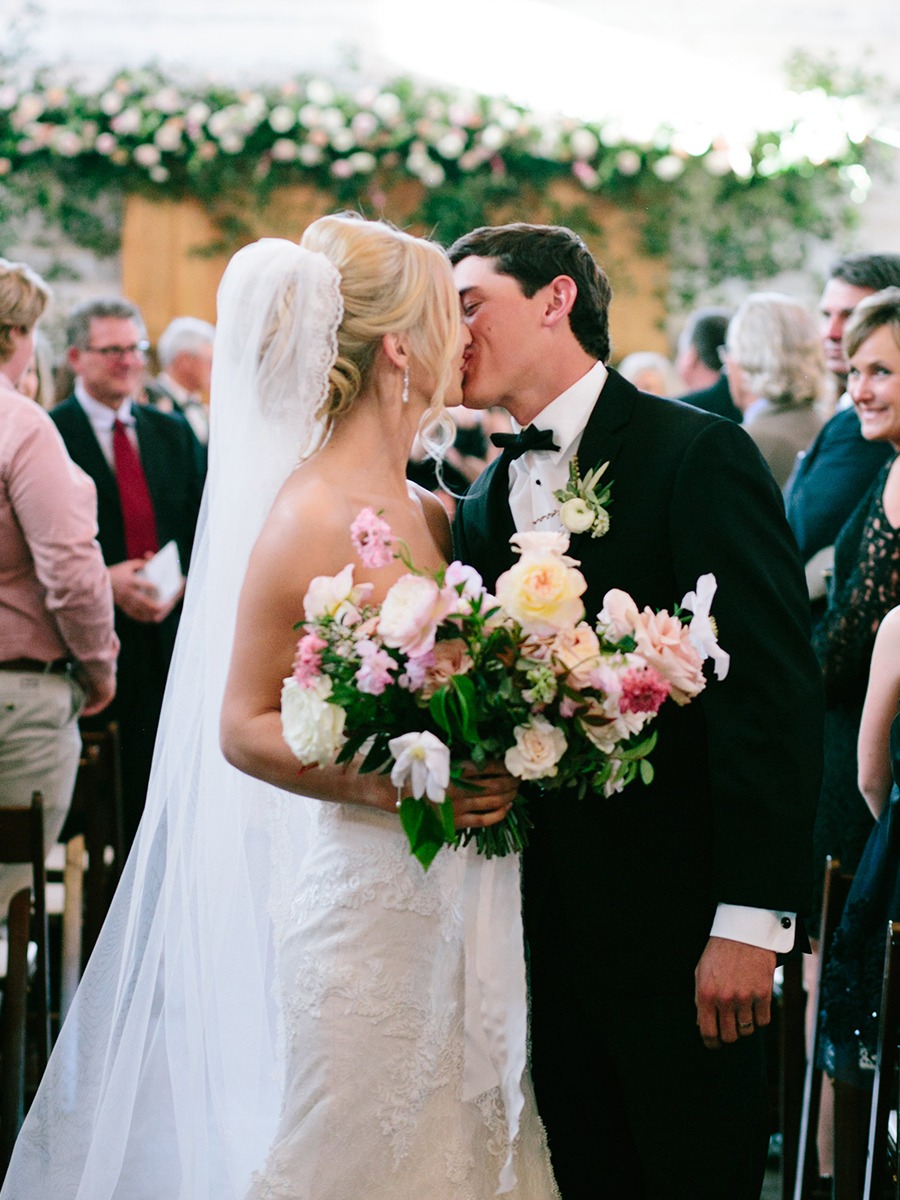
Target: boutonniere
(582,506)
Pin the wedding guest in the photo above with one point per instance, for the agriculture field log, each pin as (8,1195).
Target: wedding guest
(650,372)
(148,470)
(775,370)
(833,475)
(866,581)
(699,364)
(652,926)
(185,355)
(36,381)
(57,644)
(852,981)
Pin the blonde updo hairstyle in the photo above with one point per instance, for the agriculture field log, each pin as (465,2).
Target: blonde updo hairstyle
(391,282)
(23,297)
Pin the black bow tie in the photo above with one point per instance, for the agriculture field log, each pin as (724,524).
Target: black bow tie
(531,438)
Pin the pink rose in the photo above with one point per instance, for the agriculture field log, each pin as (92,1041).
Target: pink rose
(666,645)
(619,614)
(447,659)
(578,651)
(411,613)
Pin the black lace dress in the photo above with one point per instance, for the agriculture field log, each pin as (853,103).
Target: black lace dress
(865,587)
(851,985)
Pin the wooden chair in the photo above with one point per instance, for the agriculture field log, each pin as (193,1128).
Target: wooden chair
(881,1179)
(834,896)
(95,815)
(25,1000)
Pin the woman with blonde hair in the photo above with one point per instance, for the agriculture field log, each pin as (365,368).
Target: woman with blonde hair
(283,1003)
(773,359)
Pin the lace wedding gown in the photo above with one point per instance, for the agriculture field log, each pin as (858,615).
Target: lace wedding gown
(371,958)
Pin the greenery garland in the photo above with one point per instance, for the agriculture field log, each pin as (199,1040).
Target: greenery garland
(73,153)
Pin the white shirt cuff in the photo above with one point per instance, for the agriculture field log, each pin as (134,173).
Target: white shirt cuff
(755,926)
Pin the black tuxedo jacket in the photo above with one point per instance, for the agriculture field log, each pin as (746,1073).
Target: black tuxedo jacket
(620,892)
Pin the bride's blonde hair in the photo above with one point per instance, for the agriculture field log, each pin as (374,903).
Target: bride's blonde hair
(391,282)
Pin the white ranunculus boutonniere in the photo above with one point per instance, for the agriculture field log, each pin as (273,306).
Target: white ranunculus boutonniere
(582,506)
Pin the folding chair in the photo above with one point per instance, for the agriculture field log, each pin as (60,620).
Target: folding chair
(834,896)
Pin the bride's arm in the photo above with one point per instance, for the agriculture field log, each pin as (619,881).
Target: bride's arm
(285,559)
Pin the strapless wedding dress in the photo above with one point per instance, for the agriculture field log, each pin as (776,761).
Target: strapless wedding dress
(371,979)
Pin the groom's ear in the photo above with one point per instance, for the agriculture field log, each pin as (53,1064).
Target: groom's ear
(560,294)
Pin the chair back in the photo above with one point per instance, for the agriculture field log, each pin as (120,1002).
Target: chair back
(881,1179)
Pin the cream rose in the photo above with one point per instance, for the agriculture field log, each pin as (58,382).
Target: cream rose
(578,651)
(542,592)
(539,747)
(313,728)
(411,613)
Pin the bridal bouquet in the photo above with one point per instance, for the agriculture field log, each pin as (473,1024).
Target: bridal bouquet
(441,672)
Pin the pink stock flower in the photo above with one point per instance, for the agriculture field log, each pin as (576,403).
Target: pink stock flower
(413,677)
(308,659)
(375,670)
(643,690)
(372,539)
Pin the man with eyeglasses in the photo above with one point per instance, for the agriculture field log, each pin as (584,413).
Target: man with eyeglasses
(148,470)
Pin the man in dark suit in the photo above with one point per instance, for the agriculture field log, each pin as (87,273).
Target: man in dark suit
(699,363)
(660,909)
(148,470)
(834,474)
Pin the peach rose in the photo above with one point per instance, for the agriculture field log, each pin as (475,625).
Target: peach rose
(542,592)
(666,645)
(578,650)
(448,659)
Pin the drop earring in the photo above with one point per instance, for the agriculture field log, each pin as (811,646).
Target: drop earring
(406,386)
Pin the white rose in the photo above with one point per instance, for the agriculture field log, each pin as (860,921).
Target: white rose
(313,728)
(539,747)
(576,515)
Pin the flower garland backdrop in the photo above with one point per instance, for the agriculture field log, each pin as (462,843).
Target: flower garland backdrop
(742,205)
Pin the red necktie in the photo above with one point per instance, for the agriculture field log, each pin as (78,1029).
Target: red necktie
(134,497)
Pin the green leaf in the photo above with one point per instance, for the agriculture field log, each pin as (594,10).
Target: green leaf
(423,824)
(646,769)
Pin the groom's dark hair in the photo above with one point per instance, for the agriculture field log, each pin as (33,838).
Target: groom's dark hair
(534,255)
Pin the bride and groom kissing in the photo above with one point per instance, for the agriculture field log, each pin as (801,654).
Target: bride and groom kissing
(652,918)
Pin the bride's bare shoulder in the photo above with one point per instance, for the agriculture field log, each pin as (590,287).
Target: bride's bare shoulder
(310,518)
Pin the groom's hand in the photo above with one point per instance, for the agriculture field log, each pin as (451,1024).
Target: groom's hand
(489,804)
(733,990)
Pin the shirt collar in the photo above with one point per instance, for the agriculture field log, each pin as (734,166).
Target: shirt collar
(101,416)
(568,414)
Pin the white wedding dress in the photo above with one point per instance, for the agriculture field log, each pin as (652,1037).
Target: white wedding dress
(282,1003)
(371,961)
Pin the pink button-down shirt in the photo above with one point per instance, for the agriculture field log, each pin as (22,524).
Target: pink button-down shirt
(55,594)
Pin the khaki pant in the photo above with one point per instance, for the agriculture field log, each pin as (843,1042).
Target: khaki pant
(39,751)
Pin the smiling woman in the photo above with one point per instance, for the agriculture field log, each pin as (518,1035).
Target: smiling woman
(873,346)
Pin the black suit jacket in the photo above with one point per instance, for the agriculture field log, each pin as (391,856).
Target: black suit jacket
(829,481)
(621,892)
(173,463)
(716,399)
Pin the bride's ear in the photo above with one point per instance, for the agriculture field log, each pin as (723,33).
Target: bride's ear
(395,350)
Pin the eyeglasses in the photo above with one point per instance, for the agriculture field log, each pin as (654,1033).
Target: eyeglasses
(118,351)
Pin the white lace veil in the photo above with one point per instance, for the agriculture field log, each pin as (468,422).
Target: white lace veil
(165,1080)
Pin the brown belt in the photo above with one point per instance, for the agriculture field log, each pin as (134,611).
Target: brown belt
(58,667)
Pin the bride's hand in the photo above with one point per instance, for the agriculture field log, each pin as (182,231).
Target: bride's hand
(489,805)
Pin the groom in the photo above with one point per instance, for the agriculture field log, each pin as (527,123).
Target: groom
(653,918)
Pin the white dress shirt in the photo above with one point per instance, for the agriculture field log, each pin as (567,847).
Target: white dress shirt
(102,419)
(533,478)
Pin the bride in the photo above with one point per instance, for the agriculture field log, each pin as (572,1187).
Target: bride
(282,1003)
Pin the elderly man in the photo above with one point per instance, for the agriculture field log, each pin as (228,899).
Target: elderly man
(185,356)
(148,470)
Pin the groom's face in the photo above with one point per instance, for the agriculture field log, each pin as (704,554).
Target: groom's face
(504,324)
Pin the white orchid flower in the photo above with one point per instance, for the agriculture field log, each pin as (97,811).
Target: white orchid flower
(702,629)
(422,761)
